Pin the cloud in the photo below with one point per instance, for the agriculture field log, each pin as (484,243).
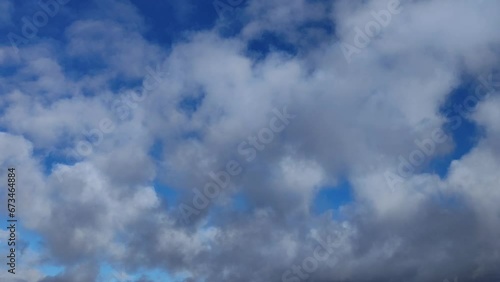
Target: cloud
(352,121)
(80,273)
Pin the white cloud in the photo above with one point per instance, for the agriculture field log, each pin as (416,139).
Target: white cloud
(349,117)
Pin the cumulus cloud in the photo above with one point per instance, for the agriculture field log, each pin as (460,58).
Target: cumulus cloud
(205,93)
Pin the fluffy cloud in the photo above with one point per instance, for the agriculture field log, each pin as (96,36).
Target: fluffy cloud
(353,117)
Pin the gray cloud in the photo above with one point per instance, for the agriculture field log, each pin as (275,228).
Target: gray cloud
(352,121)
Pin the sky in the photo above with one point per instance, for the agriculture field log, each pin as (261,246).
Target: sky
(251,140)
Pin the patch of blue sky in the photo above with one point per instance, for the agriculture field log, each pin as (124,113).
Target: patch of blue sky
(51,270)
(268,42)
(22,15)
(7,71)
(192,103)
(167,193)
(110,274)
(464,132)
(333,199)
(325,25)
(30,242)
(240,203)
(62,153)
(170,195)
(219,210)
(168,21)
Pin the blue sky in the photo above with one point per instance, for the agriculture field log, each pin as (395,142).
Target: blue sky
(170,141)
